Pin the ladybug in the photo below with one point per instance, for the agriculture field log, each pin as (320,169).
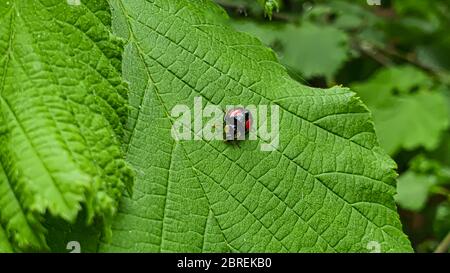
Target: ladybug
(238,122)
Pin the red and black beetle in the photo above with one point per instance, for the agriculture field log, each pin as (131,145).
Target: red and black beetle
(238,122)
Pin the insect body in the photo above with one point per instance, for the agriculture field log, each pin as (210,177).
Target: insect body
(238,122)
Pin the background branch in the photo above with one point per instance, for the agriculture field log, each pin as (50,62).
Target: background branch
(444,245)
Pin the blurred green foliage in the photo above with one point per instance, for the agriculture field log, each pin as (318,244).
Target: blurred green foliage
(396,57)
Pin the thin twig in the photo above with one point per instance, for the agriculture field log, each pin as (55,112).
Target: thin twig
(441,191)
(383,56)
(407,58)
(444,245)
(368,50)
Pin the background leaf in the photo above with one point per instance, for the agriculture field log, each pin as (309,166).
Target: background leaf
(309,49)
(413,189)
(407,110)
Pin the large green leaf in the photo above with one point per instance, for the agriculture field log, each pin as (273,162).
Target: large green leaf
(62,106)
(328,186)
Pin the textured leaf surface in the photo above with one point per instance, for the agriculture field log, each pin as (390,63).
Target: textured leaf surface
(328,187)
(62,106)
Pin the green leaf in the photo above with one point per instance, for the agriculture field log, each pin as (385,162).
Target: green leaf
(328,187)
(405,119)
(352,16)
(418,120)
(269,7)
(413,189)
(62,109)
(311,49)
